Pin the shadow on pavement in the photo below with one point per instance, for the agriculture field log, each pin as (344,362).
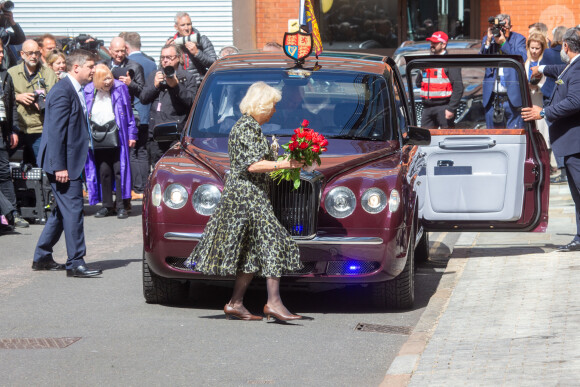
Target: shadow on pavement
(110,264)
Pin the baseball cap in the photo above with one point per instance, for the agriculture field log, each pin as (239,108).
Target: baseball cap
(439,37)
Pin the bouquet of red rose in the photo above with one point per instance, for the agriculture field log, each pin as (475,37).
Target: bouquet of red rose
(305,146)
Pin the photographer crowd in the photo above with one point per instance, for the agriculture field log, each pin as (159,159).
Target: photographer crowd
(140,95)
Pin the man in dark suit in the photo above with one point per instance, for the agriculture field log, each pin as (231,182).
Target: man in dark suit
(62,155)
(563,117)
(501,88)
(139,154)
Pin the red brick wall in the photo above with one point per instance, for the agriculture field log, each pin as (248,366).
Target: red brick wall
(553,13)
(272,19)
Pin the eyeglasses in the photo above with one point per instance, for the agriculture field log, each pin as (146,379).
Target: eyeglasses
(168,57)
(30,53)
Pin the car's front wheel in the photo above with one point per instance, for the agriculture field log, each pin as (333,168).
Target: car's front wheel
(400,291)
(159,290)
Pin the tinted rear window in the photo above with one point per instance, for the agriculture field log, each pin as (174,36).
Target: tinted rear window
(337,104)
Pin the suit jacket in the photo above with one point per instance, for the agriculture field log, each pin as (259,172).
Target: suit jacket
(138,81)
(65,138)
(563,111)
(149,66)
(551,57)
(514,45)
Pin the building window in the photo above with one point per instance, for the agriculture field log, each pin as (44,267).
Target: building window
(428,16)
(357,24)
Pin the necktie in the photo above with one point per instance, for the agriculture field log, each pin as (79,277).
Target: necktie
(85,108)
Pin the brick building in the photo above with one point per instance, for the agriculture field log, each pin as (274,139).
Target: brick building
(383,24)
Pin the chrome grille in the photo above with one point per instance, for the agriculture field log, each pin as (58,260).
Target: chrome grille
(297,209)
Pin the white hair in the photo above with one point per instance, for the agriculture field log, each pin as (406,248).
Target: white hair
(179,15)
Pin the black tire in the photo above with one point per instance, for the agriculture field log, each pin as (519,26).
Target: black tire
(422,248)
(159,290)
(399,292)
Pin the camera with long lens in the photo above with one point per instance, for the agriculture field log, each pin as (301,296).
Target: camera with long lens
(181,40)
(169,72)
(497,26)
(80,42)
(6,6)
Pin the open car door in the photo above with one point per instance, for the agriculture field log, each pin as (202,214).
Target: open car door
(482,174)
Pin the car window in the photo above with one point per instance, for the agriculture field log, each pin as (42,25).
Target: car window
(491,97)
(337,104)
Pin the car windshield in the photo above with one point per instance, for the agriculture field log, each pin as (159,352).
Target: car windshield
(337,104)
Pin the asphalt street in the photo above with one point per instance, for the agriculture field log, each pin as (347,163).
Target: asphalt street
(100,331)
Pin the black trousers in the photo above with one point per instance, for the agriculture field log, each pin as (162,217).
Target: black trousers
(156,150)
(433,117)
(108,163)
(139,157)
(8,202)
(572,163)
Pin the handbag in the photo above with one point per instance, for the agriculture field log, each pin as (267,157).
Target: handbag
(105,136)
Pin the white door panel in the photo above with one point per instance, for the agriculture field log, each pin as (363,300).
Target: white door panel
(471,183)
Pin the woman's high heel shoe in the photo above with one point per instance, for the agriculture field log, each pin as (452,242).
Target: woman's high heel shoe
(269,312)
(230,312)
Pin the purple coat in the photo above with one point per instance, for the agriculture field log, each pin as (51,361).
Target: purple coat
(127,131)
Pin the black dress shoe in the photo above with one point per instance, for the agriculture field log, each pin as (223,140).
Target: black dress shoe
(103,212)
(122,214)
(47,265)
(572,246)
(83,272)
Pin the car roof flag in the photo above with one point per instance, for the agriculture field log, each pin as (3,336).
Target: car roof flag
(308,19)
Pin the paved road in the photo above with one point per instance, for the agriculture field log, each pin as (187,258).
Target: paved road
(120,340)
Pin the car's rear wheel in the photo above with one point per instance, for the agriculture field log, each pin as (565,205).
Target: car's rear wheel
(159,290)
(400,291)
(422,248)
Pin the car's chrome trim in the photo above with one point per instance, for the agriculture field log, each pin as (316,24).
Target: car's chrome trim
(187,236)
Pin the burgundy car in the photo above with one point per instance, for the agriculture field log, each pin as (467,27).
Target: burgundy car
(363,216)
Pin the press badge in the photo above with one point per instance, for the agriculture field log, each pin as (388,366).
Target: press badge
(158,106)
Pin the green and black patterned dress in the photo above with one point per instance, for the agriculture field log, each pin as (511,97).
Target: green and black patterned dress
(243,234)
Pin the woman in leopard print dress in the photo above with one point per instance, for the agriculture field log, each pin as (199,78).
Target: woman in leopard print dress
(243,237)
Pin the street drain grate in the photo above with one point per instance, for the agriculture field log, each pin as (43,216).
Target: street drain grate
(398,330)
(42,343)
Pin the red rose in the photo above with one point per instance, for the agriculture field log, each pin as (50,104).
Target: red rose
(293,145)
(301,134)
(324,142)
(305,123)
(308,135)
(303,145)
(323,149)
(293,138)
(297,130)
(315,148)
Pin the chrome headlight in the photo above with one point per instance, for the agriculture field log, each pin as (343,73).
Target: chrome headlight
(175,196)
(394,201)
(156,195)
(374,200)
(340,202)
(205,199)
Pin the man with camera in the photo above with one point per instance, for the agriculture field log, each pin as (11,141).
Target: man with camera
(501,89)
(441,89)
(198,52)
(124,69)
(9,140)
(170,91)
(14,37)
(32,82)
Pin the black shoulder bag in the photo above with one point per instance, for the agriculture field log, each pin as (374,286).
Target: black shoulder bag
(105,136)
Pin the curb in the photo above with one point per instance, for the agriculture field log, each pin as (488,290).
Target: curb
(401,369)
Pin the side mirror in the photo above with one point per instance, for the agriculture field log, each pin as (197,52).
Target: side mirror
(417,136)
(166,132)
